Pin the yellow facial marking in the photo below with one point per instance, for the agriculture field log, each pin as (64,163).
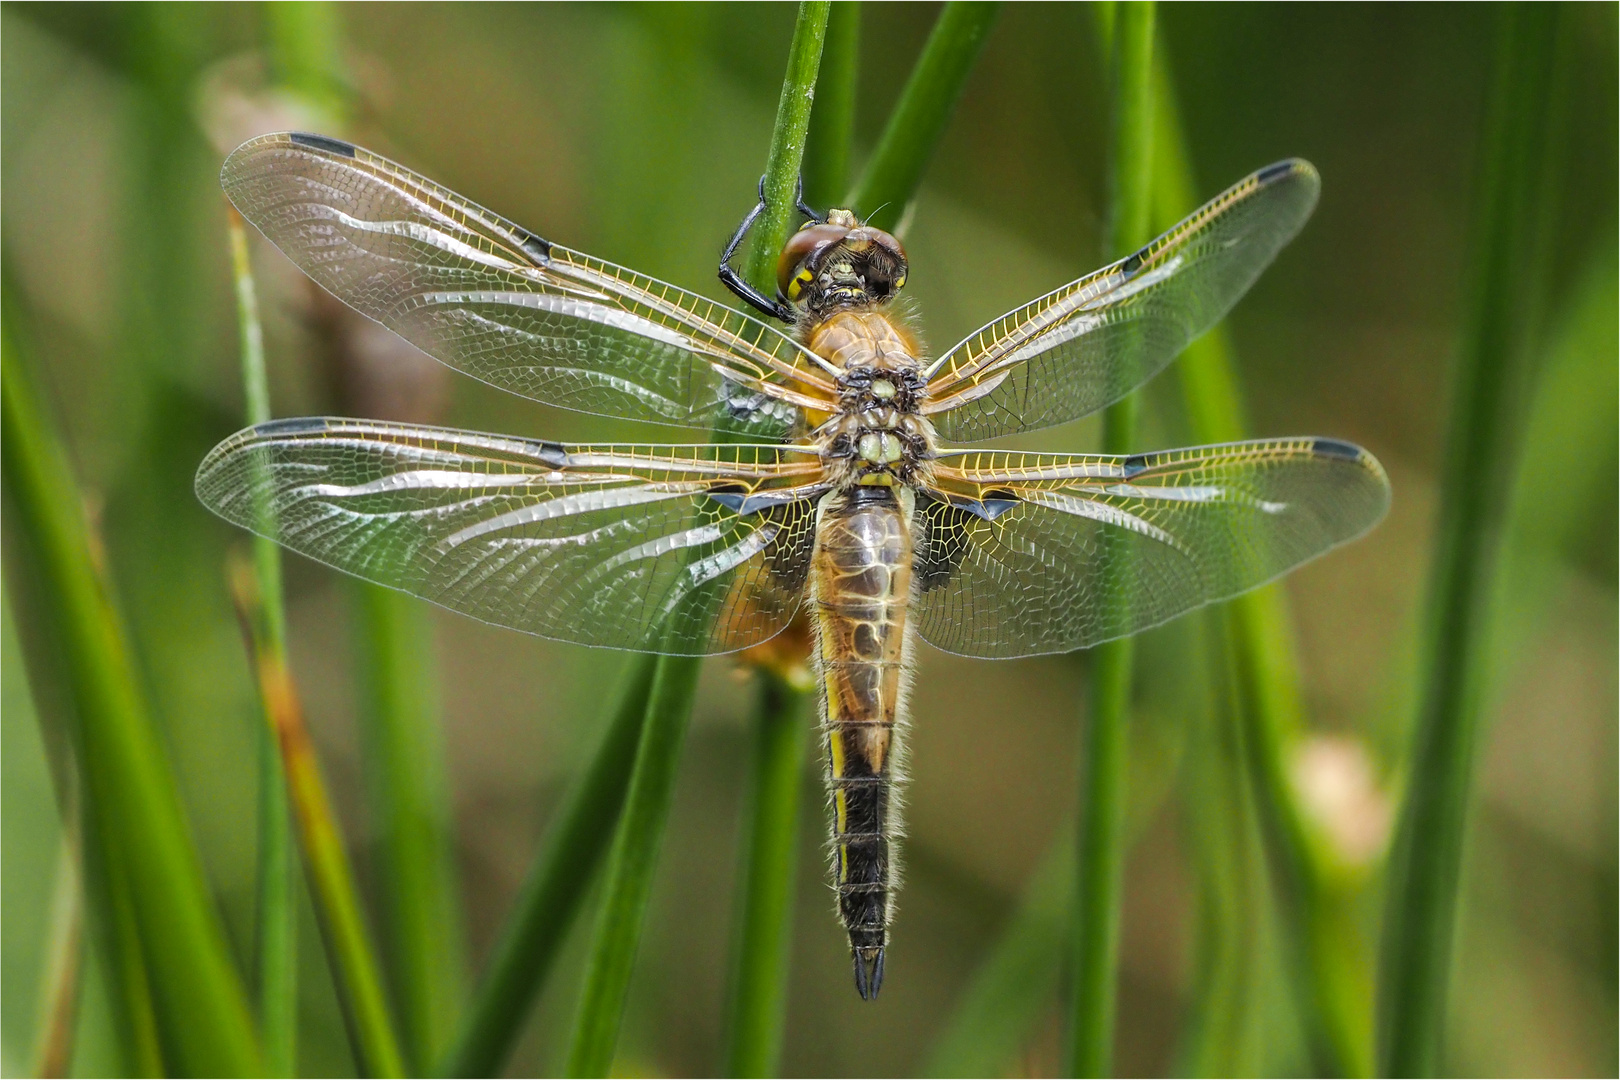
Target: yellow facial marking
(900,282)
(800,280)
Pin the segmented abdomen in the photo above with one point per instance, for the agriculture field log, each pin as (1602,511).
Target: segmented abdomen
(862,582)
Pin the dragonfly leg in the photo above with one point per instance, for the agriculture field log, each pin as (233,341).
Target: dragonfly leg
(733,280)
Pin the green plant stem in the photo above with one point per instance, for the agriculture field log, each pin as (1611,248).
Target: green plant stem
(133,811)
(61,981)
(114,926)
(631,865)
(406,792)
(1321,936)
(892,175)
(337,904)
(1016,980)
(1103,783)
(1219,1037)
(109,917)
(758,997)
(788,136)
(640,832)
(405,789)
(1421,907)
(305,39)
(832,122)
(554,889)
(276,936)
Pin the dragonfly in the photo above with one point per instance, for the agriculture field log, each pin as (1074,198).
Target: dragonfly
(830,484)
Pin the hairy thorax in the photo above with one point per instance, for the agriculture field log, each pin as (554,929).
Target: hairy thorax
(877,437)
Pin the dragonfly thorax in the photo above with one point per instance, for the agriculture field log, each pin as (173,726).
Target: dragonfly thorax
(876,436)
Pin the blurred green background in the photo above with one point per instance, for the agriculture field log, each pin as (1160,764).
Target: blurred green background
(637,133)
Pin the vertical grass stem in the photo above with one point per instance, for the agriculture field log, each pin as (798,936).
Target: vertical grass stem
(556,885)
(758,995)
(133,811)
(1421,907)
(1266,700)
(640,833)
(892,174)
(276,915)
(337,904)
(1103,780)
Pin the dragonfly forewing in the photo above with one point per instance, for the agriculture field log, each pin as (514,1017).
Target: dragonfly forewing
(494,300)
(1091,342)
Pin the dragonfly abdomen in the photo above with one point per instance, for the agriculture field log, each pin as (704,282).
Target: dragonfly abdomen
(862,583)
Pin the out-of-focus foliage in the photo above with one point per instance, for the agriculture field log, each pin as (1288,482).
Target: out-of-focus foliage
(638,133)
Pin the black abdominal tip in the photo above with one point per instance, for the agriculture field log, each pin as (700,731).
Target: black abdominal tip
(868,972)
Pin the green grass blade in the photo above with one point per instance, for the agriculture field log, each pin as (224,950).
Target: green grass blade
(892,175)
(788,136)
(1421,906)
(640,832)
(112,933)
(1018,978)
(831,137)
(1103,778)
(402,745)
(276,916)
(337,903)
(758,994)
(306,53)
(133,810)
(553,891)
(64,966)
(631,865)
(118,932)
(1321,937)
(405,789)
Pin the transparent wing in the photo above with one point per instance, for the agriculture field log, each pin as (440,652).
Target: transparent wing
(1020,554)
(497,302)
(679,549)
(1093,341)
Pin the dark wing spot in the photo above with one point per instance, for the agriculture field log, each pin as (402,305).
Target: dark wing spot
(550,453)
(323,142)
(292,425)
(536,248)
(991,509)
(1337,449)
(732,496)
(942,541)
(1276,171)
(1134,464)
(1133,263)
(737,499)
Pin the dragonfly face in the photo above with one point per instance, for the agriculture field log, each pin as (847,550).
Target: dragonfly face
(843,498)
(840,263)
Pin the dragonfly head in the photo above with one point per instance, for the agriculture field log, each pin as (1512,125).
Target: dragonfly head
(840,263)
